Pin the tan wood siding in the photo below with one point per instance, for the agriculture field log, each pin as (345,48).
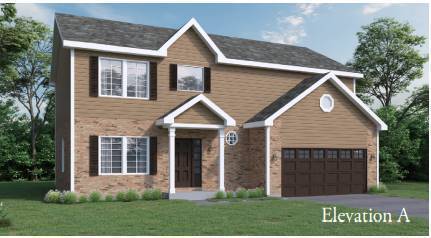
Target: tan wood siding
(199,113)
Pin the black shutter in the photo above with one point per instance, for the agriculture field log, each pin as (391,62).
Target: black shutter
(94,76)
(153,155)
(173,77)
(207,80)
(94,155)
(153,81)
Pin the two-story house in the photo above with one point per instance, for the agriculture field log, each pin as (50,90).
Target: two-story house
(142,107)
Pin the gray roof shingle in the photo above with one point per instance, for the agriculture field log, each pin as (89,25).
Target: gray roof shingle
(285,98)
(93,30)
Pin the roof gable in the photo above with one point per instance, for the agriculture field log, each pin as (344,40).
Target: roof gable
(267,116)
(120,37)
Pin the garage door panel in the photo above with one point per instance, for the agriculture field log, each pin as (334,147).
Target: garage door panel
(336,171)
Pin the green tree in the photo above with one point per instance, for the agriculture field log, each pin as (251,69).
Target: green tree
(27,81)
(388,58)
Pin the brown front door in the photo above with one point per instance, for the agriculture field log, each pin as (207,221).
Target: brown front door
(310,172)
(188,156)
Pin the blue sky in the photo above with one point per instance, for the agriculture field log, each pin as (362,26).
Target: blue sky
(326,28)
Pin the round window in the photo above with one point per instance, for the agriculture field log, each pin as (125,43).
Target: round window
(231,138)
(326,103)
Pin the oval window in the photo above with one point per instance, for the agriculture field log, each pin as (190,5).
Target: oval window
(231,138)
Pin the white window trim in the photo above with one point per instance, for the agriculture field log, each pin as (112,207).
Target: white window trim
(203,78)
(123,79)
(321,103)
(227,136)
(123,156)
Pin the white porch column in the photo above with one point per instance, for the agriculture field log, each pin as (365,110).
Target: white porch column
(267,160)
(221,158)
(377,158)
(171,160)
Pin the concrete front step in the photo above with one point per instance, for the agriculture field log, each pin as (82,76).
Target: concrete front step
(192,196)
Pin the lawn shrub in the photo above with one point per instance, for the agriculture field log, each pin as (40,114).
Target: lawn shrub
(53,196)
(261,192)
(242,193)
(109,198)
(131,195)
(95,197)
(69,197)
(83,199)
(152,194)
(121,196)
(4,220)
(229,195)
(381,189)
(252,193)
(219,195)
(157,194)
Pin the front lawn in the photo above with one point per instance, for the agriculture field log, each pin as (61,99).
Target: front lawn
(30,216)
(407,190)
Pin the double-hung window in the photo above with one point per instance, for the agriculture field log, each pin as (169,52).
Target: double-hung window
(190,78)
(123,155)
(124,78)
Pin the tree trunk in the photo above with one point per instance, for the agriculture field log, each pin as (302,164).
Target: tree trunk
(33,148)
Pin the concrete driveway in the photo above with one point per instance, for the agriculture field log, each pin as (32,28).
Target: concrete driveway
(414,207)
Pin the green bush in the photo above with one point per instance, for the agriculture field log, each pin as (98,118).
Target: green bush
(4,221)
(53,196)
(260,192)
(83,199)
(109,198)
(219,195)
(381,189)
(229,195)
(152,194)
(242,193)
(252,193)
(157,194)
(131,195)
(95,197)
(69,198)
(121,196)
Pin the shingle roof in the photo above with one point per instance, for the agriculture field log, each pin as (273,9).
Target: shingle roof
(93,30)
(285,98)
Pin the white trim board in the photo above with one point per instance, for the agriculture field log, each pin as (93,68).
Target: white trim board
(169,119)
(338,84)
(72,120)
(219,56)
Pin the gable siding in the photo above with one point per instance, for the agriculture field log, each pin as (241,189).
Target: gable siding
(200,114)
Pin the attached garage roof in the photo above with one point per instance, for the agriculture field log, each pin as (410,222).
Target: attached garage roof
(267,115)
(90,31)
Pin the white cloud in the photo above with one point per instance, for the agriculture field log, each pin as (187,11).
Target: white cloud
(292,20)
(374,7)
(36,11)
(286,36)
(308,8)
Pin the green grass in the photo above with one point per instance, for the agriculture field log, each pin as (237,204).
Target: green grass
(408,190)
(30,216)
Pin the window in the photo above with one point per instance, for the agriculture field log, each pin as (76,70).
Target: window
(326,103)
(121,78)
(124,155)
(289,154)
(345,154)
(318,154)
(331,154)
(231,138)
(303,154)
(358,154)
(190,78)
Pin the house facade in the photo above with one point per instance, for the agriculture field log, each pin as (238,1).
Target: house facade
(141,107)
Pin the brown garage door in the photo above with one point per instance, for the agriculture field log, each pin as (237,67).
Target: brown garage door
(310,172)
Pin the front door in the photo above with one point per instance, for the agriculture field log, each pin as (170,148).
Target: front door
(188,156)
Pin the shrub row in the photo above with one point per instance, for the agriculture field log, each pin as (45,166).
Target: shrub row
(241,193)
(66,197)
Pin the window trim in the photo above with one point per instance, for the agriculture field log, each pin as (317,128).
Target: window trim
(123,156)
(123,78)
(203,78)
(321,103)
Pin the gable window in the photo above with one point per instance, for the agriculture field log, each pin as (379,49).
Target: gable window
(123,78)
(124,155)
(326,103)
(190,78)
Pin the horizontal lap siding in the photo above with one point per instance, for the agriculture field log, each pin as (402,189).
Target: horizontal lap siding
(200,114)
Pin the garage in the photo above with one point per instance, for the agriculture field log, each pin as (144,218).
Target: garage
(312,172)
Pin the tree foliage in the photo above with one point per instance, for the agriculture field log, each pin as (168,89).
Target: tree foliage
(388,58)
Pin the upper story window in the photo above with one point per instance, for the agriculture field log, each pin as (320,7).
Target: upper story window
(190,78)
(122,78)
